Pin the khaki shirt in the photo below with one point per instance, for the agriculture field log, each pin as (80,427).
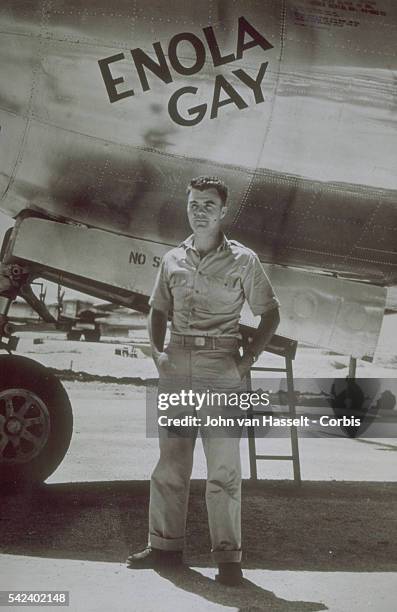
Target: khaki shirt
(207,294)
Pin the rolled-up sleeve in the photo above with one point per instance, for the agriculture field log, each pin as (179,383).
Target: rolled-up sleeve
(161,298)
(257,288)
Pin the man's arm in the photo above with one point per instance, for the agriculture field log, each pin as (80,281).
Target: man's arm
(262,336)
(160,303)
(157,327)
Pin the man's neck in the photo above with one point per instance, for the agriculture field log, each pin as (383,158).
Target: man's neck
(204,243)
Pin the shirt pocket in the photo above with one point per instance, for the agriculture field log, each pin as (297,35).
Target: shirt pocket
(225,292)
(180,289)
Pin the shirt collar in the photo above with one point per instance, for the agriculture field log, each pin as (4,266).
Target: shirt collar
(188,243)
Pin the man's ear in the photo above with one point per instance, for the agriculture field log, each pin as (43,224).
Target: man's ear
(223,211)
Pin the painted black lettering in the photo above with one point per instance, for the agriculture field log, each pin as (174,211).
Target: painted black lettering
(254,84)
(137,258)
(199,110)
(156,261)
(217,58)
(244,27)
(198,48)
(143,61)
(221,84)
(110,82)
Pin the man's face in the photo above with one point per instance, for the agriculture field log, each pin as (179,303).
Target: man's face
(205,210)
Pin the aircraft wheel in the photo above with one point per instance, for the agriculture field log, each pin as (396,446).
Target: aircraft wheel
(36,421)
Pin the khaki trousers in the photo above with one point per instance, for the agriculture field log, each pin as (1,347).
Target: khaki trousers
(199,370)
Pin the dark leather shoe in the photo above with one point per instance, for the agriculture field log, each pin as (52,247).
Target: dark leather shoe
(151,558)
(230,574)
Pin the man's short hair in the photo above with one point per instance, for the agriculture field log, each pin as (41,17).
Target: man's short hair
(209,182)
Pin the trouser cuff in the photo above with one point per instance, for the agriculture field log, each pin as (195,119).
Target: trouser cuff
(226,556)
(166,543)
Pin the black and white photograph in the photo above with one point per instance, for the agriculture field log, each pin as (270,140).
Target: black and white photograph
(198,305)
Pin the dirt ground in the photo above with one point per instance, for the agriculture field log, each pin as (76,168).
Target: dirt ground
(315,526)
(326,544)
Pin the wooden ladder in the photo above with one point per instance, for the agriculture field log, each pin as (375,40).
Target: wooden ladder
(286,348)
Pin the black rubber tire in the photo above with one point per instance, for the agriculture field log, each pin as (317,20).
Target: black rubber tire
(21,373)
(92,335)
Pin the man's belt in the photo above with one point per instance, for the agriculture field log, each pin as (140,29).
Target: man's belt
(204,342)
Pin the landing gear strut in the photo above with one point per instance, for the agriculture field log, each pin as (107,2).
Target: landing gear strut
(36,420)
(8,342)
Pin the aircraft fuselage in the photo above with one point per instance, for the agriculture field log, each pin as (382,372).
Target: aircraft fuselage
(106,116)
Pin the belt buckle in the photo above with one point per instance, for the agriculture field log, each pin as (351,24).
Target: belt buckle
(198,341)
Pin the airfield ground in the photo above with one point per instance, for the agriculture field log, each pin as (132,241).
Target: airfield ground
(329,544)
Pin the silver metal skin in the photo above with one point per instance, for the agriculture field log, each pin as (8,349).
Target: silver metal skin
(308,155)
(311,169)
(341,315)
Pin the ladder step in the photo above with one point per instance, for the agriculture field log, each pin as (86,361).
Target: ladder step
(260,369)
(275,457)
(284,348)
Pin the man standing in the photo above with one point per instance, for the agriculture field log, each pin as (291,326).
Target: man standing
(204,281)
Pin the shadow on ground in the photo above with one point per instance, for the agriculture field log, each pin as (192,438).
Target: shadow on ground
(319,526)
(247,598)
